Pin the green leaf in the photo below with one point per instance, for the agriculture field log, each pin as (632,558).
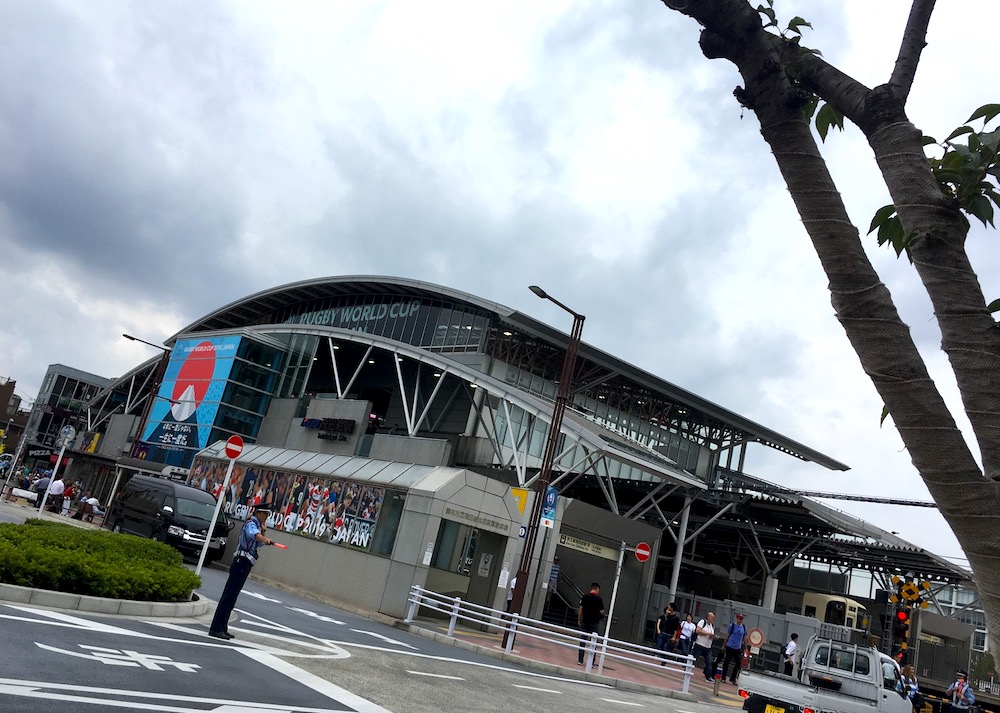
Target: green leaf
(981,208)
(987,111)
(826,117)
(810,108)
(990,139)
(958,132)
(885,412)
(891,231)
(769,13)
(994,306)
(881,215)
(928,140)
(795,23)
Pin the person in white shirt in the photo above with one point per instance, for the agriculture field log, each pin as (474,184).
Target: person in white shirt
(510,592)
(705,633)
(789,654)
(686,638)
(55,495)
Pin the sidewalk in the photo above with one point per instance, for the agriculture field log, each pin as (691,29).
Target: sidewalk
(550,657)
(18,508)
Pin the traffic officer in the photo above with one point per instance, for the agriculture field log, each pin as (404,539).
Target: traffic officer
(244,558)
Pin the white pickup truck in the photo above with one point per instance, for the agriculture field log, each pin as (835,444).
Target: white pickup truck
(833,677)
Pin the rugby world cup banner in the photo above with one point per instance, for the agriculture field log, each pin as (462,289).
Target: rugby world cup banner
(336,511)
(185,407)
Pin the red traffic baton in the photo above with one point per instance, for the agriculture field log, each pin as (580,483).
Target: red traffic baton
(278,544)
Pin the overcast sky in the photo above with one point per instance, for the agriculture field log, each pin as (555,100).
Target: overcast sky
(161,159)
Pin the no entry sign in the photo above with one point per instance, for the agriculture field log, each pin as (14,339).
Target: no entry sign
(234,446)
(642,552)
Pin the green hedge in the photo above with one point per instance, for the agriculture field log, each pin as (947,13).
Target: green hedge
(51,555)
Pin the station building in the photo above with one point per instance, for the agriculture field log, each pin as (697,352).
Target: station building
(397,428)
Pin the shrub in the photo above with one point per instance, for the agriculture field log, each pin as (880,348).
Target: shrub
(51,555)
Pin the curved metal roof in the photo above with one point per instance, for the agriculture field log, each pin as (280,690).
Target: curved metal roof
(586,432)
(249,311)
(254,310)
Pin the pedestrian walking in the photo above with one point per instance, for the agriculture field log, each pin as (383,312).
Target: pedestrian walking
(686,636)
(244,559)
(510,592)
(589,615)
(789,653)
(704,638)
(736,636)
(668,626)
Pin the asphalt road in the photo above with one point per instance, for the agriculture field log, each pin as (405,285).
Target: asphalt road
(290,655)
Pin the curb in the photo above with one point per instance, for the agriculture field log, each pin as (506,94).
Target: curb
(545,667)
(49,599)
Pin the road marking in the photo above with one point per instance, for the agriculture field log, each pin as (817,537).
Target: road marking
(261,597)
(435,675)
(463,662)
(328,650)
(624,703)
(314,615)
(124,657)
(129,699)
(321,686)
(386,639)
(61,619)
(540,690)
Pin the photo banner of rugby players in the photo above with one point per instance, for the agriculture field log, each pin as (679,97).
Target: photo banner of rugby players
(337,511)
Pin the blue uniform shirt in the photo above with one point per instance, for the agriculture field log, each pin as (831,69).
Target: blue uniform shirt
(248,539)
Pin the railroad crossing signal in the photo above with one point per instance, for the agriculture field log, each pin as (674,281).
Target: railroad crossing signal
(908,596)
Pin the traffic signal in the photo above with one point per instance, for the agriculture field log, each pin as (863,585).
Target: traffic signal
(901,626)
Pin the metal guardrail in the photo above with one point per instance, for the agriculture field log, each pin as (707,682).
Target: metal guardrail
(598,648)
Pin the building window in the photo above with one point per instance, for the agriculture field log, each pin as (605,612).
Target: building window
(388,523)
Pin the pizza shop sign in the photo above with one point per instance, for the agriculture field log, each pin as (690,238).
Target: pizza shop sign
(331,429)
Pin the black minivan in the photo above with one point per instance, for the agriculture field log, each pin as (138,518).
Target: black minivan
(170,512)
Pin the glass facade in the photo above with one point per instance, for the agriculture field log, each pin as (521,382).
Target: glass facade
(63,399)
(430,324)
(532,440)
(213,387)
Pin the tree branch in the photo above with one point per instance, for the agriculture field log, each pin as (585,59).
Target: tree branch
(913,42)
(846,94)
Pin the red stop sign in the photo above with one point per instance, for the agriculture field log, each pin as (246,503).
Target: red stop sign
(234,446)
(642,552)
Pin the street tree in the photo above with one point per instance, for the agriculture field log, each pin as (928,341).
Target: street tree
(934,191)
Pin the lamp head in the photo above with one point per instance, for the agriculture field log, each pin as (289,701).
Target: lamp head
(539,291)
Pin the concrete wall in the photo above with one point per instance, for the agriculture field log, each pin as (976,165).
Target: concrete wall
(466,495)
(333,571)
(403,449)
(278,422)
(119,433)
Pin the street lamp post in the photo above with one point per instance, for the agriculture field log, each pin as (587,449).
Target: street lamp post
(143,341)
(548,458)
